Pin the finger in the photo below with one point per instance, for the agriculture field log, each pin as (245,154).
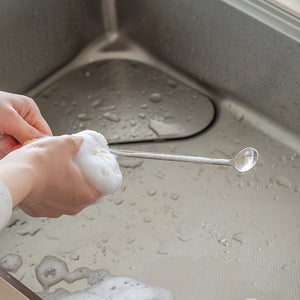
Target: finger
(31,113)
(73,143)
(42,126)
(37,120)
(68,144)
(21,130)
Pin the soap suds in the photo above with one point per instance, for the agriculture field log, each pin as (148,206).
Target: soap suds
(98,165)
(114,288)
(11,262)
(52,270)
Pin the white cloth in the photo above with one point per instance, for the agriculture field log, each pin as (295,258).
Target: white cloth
(5,205)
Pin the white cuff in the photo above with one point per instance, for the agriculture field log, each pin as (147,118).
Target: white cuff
(5,205)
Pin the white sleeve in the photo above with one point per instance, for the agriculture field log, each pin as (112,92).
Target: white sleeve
(5,205)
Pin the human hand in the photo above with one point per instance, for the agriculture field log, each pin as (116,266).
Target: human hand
(43,179)
(20,120)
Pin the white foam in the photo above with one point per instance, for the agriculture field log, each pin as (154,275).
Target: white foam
(11,262)
(52,270)
(98,165)
(121,288)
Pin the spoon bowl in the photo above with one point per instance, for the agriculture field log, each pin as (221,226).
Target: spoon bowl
(245,160)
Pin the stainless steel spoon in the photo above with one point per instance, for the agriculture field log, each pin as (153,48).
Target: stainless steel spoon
(244,161)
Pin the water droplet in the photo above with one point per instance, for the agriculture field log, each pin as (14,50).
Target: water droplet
(83,116)
(159,174)
(130,162)
(268,243)
(239,117)
(69,110)
(174,196)
(240,237)
(133,133)
(110,107)
(223,242)
(147,219)
(74,256)
(151,192)
(175,214)
(131,267)
(172,83)
(167,115)
(185,236)
(282,158)
(164,129)
(165,250)
(104,239)
(111,117)
(268,185)
(96,103)
(283,181)
(118,201)
(31,229)
(155,97)
(81,125)
(130,241)
(285,267)
(142,116)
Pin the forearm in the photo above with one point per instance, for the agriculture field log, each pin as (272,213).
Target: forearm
(17,179)
(15,185)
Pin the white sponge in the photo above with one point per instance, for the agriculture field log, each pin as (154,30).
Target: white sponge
(97,164)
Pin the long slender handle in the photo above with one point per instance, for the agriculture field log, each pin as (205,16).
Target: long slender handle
(162,156)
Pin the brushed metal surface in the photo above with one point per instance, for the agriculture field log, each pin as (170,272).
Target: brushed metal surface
(247,48)
(199,231)
(38,37)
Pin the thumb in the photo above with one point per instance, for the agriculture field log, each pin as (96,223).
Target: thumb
(78,141)
(22,131)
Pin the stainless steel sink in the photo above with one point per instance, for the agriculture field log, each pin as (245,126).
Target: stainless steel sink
(202,232)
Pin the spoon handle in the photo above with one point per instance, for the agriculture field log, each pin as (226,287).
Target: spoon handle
(170,157)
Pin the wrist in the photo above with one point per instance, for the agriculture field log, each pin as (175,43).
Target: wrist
(19,178)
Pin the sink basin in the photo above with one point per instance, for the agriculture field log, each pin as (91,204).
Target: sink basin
(227,76)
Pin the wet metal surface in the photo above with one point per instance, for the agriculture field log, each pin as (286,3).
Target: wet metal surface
(200,231)
(126,101)
(207,231)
